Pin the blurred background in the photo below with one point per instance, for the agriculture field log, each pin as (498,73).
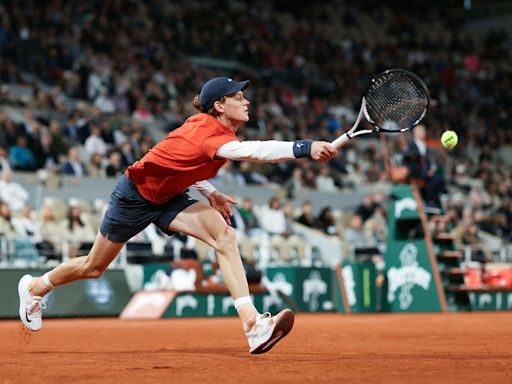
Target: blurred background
(88,87)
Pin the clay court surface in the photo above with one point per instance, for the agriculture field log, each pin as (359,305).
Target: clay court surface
(389,348)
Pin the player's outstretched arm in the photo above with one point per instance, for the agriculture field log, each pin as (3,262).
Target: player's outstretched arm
(273,151)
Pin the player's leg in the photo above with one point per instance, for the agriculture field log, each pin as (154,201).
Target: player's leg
(128,214)
(205,223)
(91,266)
(32,289)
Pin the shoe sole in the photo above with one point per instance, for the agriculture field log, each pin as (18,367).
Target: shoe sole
(283,327)
(22,310)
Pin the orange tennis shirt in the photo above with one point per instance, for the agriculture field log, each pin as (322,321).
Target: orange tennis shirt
(184,157)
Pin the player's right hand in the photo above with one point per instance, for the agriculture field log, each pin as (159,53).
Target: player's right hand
(322,151)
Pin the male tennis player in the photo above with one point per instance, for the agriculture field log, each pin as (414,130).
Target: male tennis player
(154,190)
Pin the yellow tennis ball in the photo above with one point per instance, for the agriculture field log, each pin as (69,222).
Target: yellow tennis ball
(449,139)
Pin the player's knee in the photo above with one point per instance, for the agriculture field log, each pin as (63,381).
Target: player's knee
(226,238)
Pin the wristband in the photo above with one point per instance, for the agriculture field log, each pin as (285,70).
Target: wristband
(302,148)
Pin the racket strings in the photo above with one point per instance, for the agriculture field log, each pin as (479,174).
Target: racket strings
(396,101)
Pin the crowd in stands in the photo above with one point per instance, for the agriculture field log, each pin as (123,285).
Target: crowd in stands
(114,69)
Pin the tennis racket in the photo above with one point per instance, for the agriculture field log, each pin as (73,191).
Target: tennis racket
(395,101)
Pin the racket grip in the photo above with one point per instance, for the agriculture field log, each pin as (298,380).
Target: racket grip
(341,141)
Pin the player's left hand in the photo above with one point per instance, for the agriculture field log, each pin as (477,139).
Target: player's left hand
(222,203)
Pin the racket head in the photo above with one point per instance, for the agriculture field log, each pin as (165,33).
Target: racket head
(395,101)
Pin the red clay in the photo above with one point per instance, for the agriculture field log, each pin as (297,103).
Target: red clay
(419,348)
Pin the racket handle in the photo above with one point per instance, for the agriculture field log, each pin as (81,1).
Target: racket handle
(341,141)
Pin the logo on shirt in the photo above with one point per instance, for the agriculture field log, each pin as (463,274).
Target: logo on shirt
(300,145)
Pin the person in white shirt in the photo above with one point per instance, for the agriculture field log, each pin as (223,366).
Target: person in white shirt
(26,226)
(324,181)
(104,102)
(95,143)
(12,193)
(273,220)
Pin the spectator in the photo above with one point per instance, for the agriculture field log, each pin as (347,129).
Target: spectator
(250,176)
(4,162)
(273,220)
(469,236)
(95,166)
(74,166)
(307,216)
(355,177)
(354,233)
(77,231)
(254,238)
(229,175)
(420,161)
(367,208)
(26,226)
(128,157)
(76,129)
(310,179)
(12,192)
(326,222)
(6,226)
(47,156)
(114,166)
(325,181)
(122,134)
(142,113)
(95,143)
(21,157)
(295,241)
(51,232)
(296,183)
(376,226)
(104,102)
(11,132)
(250,220)
(59,145)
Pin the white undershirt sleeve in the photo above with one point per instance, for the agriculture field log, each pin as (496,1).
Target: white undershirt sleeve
(204,188)
(270,151)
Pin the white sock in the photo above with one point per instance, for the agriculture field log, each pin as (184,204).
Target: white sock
(46,280)
(241,301)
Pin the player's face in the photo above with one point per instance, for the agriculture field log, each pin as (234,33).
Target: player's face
(236,108)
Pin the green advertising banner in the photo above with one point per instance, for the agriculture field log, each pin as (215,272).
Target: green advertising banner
(410,282)
(309,288)
(193,304)
(360,287)
(106,296)
(491,301)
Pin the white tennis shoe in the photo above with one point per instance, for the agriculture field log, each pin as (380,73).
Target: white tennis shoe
(30,306)
(268,330)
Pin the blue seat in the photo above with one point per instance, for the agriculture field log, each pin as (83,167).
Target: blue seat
(25,250)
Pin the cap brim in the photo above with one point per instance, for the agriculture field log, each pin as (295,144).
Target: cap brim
(237,87)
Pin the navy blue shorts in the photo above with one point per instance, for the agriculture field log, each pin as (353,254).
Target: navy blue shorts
(129,213)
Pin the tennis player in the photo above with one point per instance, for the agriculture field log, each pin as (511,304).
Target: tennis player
(154,190)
